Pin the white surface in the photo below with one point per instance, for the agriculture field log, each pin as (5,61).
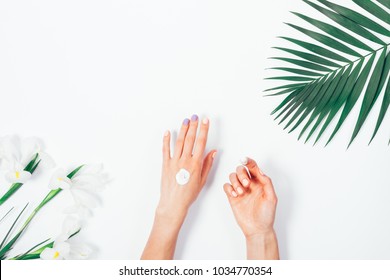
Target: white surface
(100,81)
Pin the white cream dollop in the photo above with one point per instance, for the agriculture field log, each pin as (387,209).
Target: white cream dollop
(182,177)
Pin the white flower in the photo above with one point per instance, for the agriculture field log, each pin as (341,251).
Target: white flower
(70,226)
(16,153)
(83,187)
(66,251)
(60,251)
(63,248)
(60,180)
(17,174)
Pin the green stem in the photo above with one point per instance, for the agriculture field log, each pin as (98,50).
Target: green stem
(46,200)
(31,167)
(35,254)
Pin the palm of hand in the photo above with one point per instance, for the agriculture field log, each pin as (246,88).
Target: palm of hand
(254,211)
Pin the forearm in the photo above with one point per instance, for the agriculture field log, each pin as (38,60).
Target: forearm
(262,246)
(162,240)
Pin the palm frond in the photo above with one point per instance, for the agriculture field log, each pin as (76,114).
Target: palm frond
(346,61)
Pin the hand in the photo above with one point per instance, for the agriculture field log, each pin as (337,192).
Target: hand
(253,201)
(175,199)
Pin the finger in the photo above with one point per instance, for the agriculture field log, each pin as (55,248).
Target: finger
(242,175)
(236,184)
(202,138)
(166,146)
(207,164)
(229,190)
(268,187)
(254,170)
(190,137)
(180,139)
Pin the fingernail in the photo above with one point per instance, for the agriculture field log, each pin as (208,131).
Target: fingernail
(234,194)
(240,191)
(166,133)
(245,182)
(244,161)
(194,118)
(214,154)
(205,121)
(186,121)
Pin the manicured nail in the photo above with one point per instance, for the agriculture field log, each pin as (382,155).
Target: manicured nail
(186,121)
(245,182)
(244,161)
(205,121)
(194,118)
(214,154)
(239,190)
(234,194)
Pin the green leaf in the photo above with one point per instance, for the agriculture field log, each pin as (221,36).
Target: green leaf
(318,104)
(31,164)
(304,97)
(386,96)
(297,85)
(342,98)
(309,103)
(336,33)
(281,92)
(22,256)
(326,40)
(291,78)
(347,23)
(14,188)
(354,96)
(289,101)
(357,17)
(6,214)
(297,71)
(317,49)
(334,82)
(71,174)
(310,57)
(323,111)
(370,96)
(6,248)
(286,100)
(385,3)
(305,64)
(374,9)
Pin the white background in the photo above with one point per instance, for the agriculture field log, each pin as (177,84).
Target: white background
(100,81)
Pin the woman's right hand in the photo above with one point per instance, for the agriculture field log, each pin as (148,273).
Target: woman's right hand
(253,201)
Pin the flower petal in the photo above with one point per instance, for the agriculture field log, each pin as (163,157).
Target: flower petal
(79,252)
(60,180)
(50,254)
(18,176)
(63,248)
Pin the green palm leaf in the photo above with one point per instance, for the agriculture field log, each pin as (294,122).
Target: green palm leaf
(347,60)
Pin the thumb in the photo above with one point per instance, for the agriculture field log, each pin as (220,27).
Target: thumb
(207,164)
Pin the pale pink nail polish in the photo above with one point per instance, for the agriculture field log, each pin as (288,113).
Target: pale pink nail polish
(205,121)
(234,194)
(214,154)
(240,191)
(245,182)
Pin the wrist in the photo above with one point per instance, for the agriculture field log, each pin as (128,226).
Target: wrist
(170,218)
(263,236)
(262,245)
